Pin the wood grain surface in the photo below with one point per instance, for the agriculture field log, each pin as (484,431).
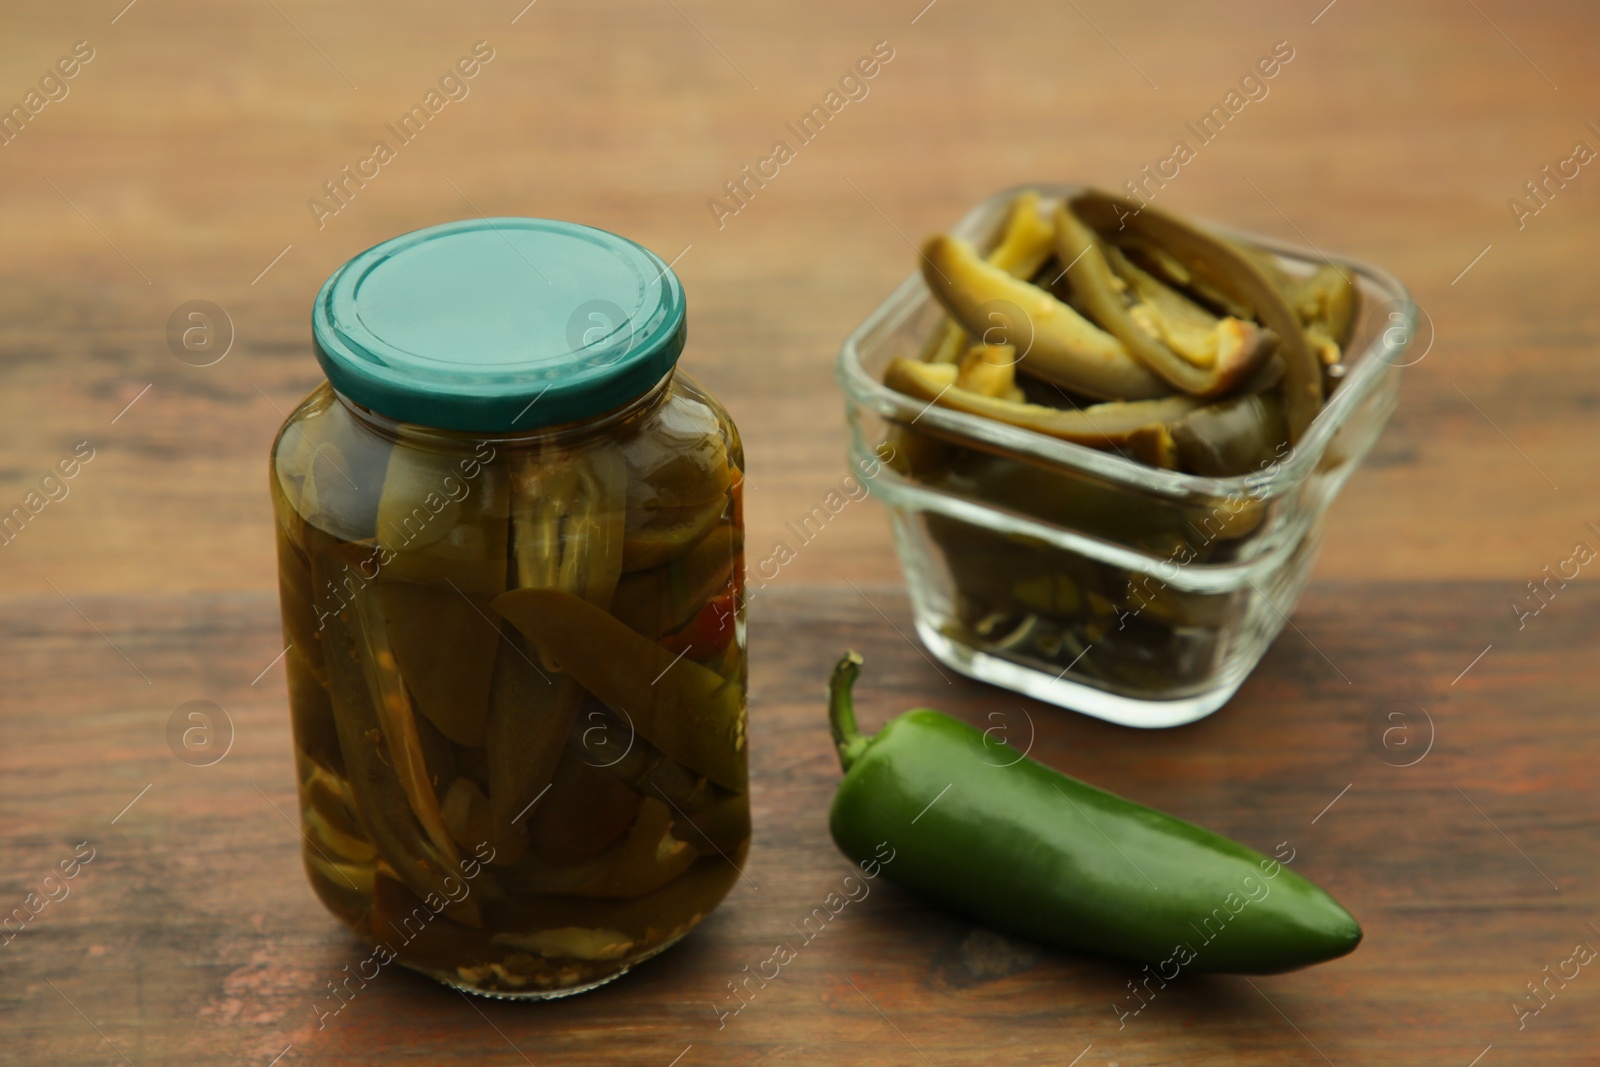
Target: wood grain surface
(176,165)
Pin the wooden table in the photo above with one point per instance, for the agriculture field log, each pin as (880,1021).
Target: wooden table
(178,166)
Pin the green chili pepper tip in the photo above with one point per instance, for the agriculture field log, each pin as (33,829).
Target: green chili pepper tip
(849,740)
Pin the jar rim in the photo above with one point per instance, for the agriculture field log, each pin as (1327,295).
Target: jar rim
(394,429)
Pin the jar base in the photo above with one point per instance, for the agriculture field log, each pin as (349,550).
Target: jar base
(541,994)
(544,994)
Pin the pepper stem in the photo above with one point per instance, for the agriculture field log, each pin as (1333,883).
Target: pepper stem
(849,740)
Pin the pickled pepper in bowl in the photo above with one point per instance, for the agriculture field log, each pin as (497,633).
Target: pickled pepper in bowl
(1115,327)
(510,545)
(1122,328)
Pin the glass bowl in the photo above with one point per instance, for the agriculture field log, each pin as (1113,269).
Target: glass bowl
(1084,578)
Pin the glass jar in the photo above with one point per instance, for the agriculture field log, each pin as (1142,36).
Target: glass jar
(1083,577)
(510,545)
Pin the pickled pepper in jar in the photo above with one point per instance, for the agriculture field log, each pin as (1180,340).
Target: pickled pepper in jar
(510,554)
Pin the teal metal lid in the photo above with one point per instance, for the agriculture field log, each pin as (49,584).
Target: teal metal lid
(494,325)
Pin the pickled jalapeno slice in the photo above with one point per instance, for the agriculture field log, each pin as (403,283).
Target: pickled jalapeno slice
(691,713)
(446,538)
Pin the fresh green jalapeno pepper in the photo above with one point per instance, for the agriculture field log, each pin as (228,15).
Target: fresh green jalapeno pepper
(977,826)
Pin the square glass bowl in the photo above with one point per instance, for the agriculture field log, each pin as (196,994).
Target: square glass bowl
(1084,578)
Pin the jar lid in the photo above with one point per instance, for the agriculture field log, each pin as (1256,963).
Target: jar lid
(495,325)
